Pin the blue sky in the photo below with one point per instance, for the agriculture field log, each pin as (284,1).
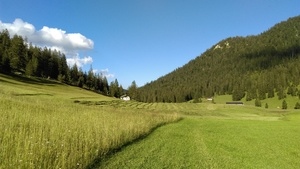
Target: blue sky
(139,40)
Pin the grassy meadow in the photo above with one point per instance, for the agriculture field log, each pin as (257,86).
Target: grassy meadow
(216,136)
(207,142)
(45,124)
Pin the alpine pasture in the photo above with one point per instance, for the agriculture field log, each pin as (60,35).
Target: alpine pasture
(46,124)
(231,138)
(43,126)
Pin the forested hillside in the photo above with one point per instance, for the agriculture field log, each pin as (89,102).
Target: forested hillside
(266,65)
(17,56)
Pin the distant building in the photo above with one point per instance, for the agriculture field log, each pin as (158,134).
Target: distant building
(210,99)
(235,102)
(125,97)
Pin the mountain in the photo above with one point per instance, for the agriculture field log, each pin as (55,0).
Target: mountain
(253,67)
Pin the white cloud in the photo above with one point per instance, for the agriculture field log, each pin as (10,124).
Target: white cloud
(79,61)
(18,27)
(54,38)
(68,43)
(58,37)
(104,72)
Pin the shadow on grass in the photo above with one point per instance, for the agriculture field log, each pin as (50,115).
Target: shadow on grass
(29,80)
(34,94)
(96,163)
(114,103)
(6,81)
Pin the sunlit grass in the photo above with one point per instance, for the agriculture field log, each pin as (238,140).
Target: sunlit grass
(216,143)
(42,127)
(51,125)
(273,103)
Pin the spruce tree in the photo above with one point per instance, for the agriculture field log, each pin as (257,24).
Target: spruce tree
(90,78)
(74,74)
(297,106)
(257,102)
(266,105)
(132,90)
(17,53)
(284,104)
(196,100)
(29,71)
(271,92)
(5,43)
(281,93)
(105,86)
(6,65)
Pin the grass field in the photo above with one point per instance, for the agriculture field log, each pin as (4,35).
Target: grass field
(217,136)
(216,143)
(45,124)
(273,103)
(41,126)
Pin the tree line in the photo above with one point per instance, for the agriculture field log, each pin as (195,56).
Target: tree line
(19,56)
(256,67)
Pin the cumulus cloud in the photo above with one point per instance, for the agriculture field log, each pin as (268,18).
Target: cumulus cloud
(54,38)
(79,61)
(104,72)
(58,37)
(18,27)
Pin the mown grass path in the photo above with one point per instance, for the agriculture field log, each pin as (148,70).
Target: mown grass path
(215,143)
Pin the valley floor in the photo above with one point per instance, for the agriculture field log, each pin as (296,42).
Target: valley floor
(45,124)
(216,143)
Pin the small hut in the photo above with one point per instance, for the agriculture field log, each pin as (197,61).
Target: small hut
(125,97)
(235,103)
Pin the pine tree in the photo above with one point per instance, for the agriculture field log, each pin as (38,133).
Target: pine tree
(74,74)
(80,81)
(132,90)
(90,78)
(117,89)
(121,91)
(281,93)
(105,88)
(17,53)
(237,93)
(297,106)
(196,100)
(5,64)
(261,94)
(44,64)
(284,104)
(213,101)
(257,103)
(292,90)
(271,92)
(29,71)
(114,89)
(4,51)
(63,69)
(266,105)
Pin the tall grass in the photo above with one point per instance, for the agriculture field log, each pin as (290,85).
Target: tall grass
(42,127)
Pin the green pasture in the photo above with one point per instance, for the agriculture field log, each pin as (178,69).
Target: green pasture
(42,125)
(46,124)
(216,143)
(273,103)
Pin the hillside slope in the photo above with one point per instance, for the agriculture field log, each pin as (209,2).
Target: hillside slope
(47,124)
(253,66)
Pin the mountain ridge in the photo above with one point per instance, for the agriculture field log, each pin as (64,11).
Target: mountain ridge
(242,66)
